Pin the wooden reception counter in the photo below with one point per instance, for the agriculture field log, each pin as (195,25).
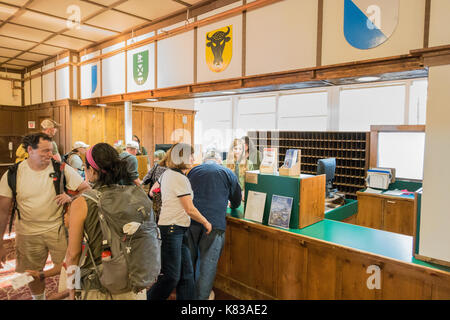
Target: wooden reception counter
(327,260)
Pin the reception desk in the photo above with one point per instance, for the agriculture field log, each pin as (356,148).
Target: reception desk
(326,260)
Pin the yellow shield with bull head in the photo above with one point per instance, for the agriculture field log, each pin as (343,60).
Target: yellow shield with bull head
(219,48)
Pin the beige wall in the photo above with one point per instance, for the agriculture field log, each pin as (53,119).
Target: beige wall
(8,96)
(439,24)
(435,217)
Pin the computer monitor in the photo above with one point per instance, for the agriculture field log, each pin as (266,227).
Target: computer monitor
(328,168)
(163,147)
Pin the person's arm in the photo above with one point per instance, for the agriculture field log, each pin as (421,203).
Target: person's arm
(192,211)
(137,182)
(77,216)
(156,185)
(235,193)
(56,270)
(5,205)
(64,198)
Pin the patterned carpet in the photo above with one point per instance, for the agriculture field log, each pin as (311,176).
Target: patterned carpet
(7,292)
(7,272)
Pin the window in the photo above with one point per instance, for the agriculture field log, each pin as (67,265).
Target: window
(303,112)
(213,124)
(418,102)
(257,113)
(403,151)
(362,107)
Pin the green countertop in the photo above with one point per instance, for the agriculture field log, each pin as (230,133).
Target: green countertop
(388,244)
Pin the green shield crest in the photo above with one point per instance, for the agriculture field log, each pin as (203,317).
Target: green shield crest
(140,67)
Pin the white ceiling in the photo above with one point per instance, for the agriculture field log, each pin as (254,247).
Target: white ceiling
(35,30)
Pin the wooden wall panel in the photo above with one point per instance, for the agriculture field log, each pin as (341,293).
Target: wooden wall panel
(262,252)
(111,125)
(398,284)
(5,122)
(147,132)
(291,282)
(321,265)
(169,126)
(353,279)
(80,124)
(19,123)
(239,255)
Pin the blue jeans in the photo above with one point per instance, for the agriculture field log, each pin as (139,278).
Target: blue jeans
(205,252)
(176,266)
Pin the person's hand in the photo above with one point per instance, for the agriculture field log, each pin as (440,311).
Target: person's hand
(72,294)
(2,255)
(33,273)
(63,198)
(208,227)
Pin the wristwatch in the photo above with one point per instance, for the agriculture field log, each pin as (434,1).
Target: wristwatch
(41,276)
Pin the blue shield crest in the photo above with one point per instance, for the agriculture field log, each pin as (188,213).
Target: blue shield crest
(93,78)
(369,23)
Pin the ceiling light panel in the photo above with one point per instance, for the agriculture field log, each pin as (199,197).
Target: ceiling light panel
(90,33)
(116,21)
(42,21)
(150,9)
(24,33)
(15,43)
(61,8)
(67,42)
(42,48)
(5,52)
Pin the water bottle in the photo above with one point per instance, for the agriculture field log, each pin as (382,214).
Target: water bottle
(106,252)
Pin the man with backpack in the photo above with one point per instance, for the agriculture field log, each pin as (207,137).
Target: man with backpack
(35,189)
(73,158)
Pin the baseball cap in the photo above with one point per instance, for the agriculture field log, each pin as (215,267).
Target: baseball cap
(49,123)
(133,144)
(80,144)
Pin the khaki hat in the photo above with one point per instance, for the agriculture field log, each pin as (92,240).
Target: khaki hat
(49,123)
(133,145)
(80,144)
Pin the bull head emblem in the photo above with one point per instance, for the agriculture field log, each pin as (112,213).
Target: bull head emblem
(217,44)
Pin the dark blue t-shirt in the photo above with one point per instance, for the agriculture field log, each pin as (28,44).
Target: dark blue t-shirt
(213,186)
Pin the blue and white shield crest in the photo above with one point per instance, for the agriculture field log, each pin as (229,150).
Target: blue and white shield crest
(369,23)
(93,78)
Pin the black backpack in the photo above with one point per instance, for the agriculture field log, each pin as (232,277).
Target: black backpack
(58,183)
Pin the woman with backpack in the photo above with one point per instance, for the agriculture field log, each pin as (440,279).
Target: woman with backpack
(88,262)
(175,218)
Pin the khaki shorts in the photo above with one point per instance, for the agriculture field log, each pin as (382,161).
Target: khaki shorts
(32,251)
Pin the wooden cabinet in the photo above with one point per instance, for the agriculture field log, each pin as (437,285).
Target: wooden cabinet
(388,213)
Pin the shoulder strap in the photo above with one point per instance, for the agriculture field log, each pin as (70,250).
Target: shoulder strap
(12,183)
(92,194)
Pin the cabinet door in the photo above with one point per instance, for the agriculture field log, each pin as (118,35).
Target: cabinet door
(369,211)
(398,216)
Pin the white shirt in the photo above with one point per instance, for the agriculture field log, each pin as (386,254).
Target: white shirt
(173,186)
(36,194)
